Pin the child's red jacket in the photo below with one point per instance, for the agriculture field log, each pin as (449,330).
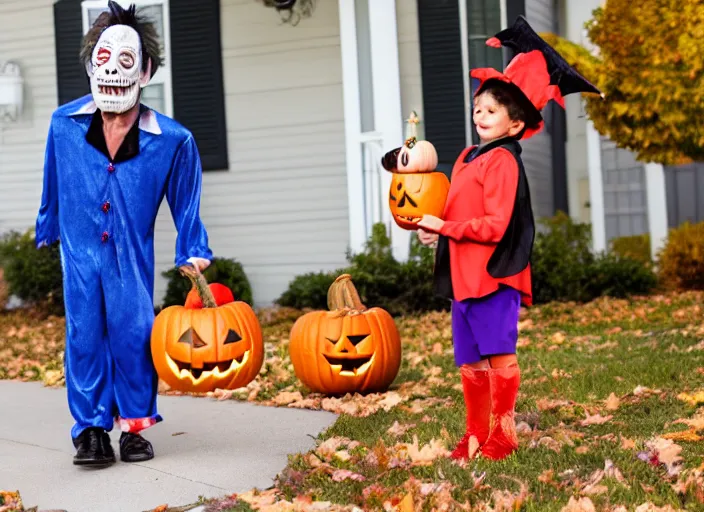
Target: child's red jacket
(488,234)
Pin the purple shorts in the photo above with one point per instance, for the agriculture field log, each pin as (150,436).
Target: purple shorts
(486,326)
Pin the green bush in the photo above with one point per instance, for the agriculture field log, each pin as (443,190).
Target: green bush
(33,275)
(399,288)
(563,265)
(221,270)
(616,276)
(561,261)
(308,291)
(565,268)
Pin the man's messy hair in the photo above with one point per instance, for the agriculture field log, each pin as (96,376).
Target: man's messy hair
(116,15)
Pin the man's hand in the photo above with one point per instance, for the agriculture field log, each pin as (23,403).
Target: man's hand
(427,238)
(431,223)
(196,265)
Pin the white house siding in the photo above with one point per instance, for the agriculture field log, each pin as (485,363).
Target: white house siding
(281,208)
(409,59)
(537,151)
(26,37)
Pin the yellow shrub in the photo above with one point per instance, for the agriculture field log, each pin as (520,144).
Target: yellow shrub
(636,247)
(681,261)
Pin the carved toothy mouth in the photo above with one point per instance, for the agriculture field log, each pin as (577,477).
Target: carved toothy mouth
(219,370)
(351,365)
(410,219)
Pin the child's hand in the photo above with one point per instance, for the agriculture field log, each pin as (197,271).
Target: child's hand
(427,238)
(431,223)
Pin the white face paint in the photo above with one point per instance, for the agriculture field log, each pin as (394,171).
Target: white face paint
(115,69)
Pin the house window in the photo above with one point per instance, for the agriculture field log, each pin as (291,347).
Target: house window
(481,20)
(158,94)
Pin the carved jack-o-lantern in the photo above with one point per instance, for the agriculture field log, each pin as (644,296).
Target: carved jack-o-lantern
(199,350)
(413,195)
(347,349)
(416,188)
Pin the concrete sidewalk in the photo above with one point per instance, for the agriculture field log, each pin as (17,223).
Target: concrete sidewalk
(203,448)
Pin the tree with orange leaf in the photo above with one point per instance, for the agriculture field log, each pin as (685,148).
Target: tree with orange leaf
(650,66)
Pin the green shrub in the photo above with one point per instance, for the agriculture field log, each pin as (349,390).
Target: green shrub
(308,291)
(563,264)
(561,260)
(636,247)
(566,269)
(399,288)
(221,270)
(681,260)
(33,275)
(616,276)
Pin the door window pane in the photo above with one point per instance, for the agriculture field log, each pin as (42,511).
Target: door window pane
(153,97)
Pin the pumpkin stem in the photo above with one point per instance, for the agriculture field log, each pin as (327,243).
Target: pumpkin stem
(342,295)
(201,285)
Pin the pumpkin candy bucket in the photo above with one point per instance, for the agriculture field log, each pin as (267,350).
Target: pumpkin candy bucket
(416,187)
(202,349)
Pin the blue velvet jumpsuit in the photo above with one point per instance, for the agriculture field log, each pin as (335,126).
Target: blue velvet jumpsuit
(103,211)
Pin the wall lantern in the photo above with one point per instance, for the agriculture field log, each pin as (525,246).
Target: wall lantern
(11,97)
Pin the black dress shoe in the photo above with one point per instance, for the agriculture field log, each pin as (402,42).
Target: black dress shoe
(134,448)
(93,448)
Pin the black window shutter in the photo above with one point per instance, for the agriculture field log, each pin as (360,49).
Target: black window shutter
(197,77)
(72,80)
(443,83)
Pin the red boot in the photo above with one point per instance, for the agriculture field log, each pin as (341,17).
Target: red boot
(503,439)
(477,400)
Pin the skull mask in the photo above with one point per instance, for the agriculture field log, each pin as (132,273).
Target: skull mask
(115,69)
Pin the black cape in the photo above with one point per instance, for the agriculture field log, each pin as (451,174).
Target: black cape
(513,252)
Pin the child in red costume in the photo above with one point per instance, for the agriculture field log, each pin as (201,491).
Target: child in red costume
(486,237)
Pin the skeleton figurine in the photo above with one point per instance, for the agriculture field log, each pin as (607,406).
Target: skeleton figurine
(109,163)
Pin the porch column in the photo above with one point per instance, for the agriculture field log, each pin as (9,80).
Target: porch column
(656,194)
(353,125)
(386,85)
(596,189)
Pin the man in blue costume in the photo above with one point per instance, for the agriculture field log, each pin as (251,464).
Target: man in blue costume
(109,162)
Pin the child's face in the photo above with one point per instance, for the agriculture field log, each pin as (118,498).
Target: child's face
(492,121)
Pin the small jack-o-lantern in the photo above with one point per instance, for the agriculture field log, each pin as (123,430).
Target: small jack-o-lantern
(347,349)
(413,195)
(414,156)
(200,350)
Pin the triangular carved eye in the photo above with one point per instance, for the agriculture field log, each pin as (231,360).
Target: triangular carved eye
(232,337)
(191,338)
(334,342)
(356,339)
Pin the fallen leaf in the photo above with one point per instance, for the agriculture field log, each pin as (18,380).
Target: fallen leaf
(596,419)
(422,456)
(341,475)
(665,451)
(398,429)
(287,397)
(685,435)
(696,421)
(693,399)
(545,404)
(582,504)
(627,444)
(612,402)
